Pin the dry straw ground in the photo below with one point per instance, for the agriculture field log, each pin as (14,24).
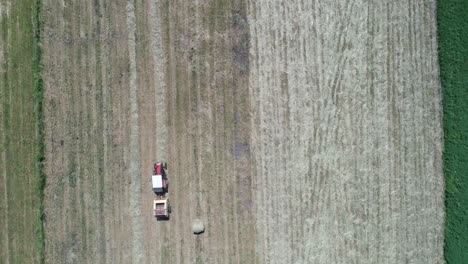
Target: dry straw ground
(298,131)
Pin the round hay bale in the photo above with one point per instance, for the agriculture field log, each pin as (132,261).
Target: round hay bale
(198,227)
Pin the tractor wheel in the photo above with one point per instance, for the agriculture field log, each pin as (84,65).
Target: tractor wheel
(169,209)
(165,165)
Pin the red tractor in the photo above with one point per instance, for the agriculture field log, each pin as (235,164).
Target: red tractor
(159,179)
(161,206)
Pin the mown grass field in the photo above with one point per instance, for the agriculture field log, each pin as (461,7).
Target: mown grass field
(21,180)
(21,129)
(453,39)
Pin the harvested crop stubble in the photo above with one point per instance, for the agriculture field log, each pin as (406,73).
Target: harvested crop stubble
(347,134)
(299,131)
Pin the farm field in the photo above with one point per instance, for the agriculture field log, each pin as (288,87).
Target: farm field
(20,141)
(453,35)
(299,131)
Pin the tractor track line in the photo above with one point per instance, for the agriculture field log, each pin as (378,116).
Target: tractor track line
(135,185)
(159,62)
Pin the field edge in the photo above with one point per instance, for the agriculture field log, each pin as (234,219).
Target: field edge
(453,53)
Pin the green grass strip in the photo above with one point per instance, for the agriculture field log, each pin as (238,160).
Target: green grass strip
(39,95)
(453,54)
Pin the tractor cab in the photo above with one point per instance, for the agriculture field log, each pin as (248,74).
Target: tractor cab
(159,179)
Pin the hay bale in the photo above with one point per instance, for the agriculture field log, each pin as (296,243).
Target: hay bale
(198,227)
